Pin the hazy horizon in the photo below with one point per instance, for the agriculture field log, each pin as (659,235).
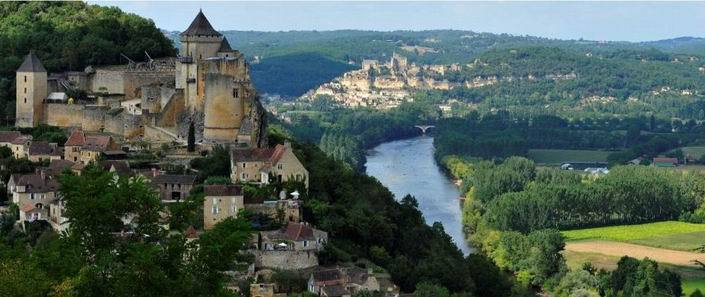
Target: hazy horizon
(613,21)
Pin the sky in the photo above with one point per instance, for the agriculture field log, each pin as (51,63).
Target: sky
(625,21)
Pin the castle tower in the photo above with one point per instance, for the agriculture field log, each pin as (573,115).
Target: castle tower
(31,90)
(198,43)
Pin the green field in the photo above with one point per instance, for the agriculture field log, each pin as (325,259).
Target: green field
(689,285)
(670,235)
(549,156)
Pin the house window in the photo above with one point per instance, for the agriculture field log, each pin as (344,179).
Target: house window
(244,164)
(242,176)
(280,166)
(236,93)
(305,243)
(215,209)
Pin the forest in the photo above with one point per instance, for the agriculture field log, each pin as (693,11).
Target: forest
(70,36)
(513,210)
(501,135)
(565,82)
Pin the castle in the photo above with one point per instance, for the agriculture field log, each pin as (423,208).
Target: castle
(208,84)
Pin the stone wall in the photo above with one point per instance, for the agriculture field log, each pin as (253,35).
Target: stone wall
(64,115)
(108,81)
(134,80)
(171,110)
(286,260)
(93,118)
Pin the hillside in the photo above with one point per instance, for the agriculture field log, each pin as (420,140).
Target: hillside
(560,81)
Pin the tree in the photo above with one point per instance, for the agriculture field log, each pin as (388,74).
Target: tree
(430,290)
(191,142)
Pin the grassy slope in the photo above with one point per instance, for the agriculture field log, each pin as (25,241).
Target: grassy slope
(555,156)
(670,235)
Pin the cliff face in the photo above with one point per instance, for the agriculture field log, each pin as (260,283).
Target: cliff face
(385,85)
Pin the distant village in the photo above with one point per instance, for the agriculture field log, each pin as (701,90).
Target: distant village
(385,85)
(130,109)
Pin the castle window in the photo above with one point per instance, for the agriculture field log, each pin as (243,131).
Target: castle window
(25,90)
(236,93)
(25,78)
(25,100)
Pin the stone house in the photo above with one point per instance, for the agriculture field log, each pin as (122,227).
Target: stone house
(84,148)
(221,202)
(345,281)
(33,193)
(258,164)
(57,220)
(264,290)
(20,146)
(39,151)
(293,237)
(328,282)
(173,187)
(6,137)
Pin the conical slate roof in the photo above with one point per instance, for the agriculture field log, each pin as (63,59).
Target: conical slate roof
(31,64)
(200,26)
(225,46)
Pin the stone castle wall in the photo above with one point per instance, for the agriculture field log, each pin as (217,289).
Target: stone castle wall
(108,81)
(64,115)
(286,260)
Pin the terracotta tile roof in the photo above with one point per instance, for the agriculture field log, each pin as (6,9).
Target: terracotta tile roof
(174,179)
(298,232)
(9,136)
(278,153)
(22,139)
(223,190)
(252,155)
(666,160)
(77,138)
(97,143)
(27,207)
(259,154)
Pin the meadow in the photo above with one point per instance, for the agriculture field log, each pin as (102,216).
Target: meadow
(558,156)
(669,235)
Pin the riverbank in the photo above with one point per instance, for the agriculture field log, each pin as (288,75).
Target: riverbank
(408,167)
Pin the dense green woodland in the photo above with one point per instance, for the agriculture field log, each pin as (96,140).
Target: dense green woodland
(512,210)
(70,36)
(502,134)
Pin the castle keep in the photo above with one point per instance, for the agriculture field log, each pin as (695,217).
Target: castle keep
(208,84)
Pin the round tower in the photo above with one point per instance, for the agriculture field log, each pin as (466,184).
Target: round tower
(31,90)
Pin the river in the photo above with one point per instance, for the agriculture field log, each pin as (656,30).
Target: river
(408,167)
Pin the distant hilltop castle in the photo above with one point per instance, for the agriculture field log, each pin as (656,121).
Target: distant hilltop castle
(208,85)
